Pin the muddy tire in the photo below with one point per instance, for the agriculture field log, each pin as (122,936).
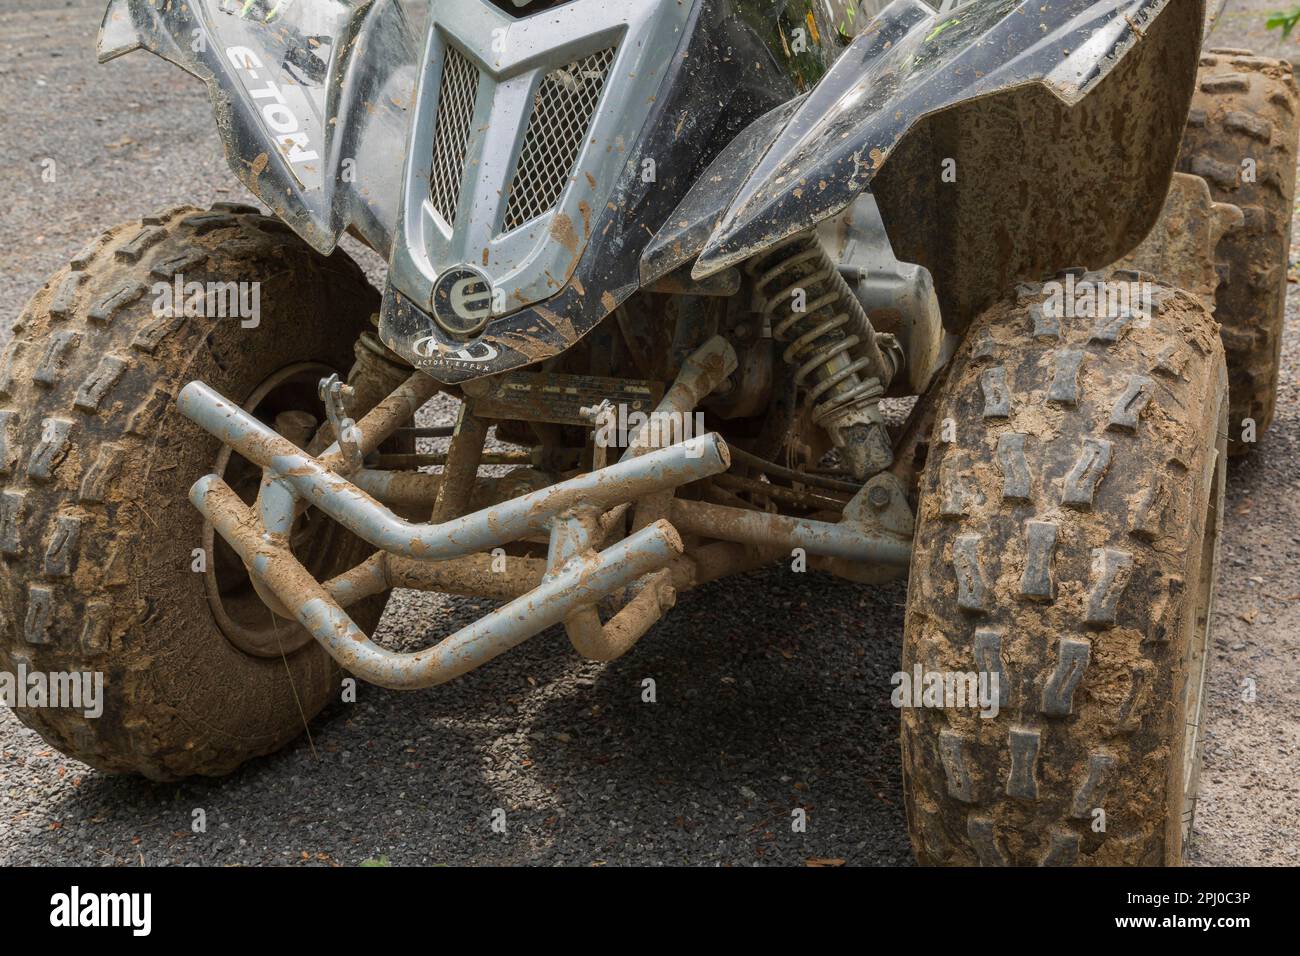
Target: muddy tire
(1066,541)
(1246,107)
(96,532)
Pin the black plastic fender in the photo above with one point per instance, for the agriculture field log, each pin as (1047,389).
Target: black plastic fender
(1003,140)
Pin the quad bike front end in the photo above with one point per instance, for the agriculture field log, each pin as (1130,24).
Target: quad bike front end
(548,187)
(670,260)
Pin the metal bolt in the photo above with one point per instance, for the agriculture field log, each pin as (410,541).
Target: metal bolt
(879,497)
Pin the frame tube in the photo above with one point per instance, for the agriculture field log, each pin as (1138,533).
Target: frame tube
(581,581)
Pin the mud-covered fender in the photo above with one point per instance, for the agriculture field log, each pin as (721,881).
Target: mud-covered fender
(1003,139)
(311,98)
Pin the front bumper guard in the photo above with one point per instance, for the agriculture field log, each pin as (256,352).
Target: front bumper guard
(577,516)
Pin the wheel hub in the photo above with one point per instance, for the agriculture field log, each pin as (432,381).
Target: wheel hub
(289,399)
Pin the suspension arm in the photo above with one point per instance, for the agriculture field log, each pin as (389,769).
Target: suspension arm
(768,530)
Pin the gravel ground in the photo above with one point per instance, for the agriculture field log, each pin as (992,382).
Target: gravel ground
(771,690)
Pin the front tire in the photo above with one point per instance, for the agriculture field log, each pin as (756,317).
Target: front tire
(1067,541)
(97,536)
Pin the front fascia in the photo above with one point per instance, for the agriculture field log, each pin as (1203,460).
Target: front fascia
(718,79)
(533,261)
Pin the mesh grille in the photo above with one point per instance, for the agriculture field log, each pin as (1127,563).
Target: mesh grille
(451,136)
(562,110)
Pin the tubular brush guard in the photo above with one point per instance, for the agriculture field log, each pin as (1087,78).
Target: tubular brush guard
(578,515)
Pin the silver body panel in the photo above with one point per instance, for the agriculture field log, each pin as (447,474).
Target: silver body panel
(533,261)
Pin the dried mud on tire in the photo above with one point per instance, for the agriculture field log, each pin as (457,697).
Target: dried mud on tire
(96,530)
(1245,108)
(1059,544)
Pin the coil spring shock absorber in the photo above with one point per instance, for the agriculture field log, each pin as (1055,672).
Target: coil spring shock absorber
(845,365)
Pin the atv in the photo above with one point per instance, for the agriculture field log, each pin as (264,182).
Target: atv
(884,290)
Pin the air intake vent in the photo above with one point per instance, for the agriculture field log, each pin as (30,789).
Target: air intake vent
(562,111)
(451,135)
